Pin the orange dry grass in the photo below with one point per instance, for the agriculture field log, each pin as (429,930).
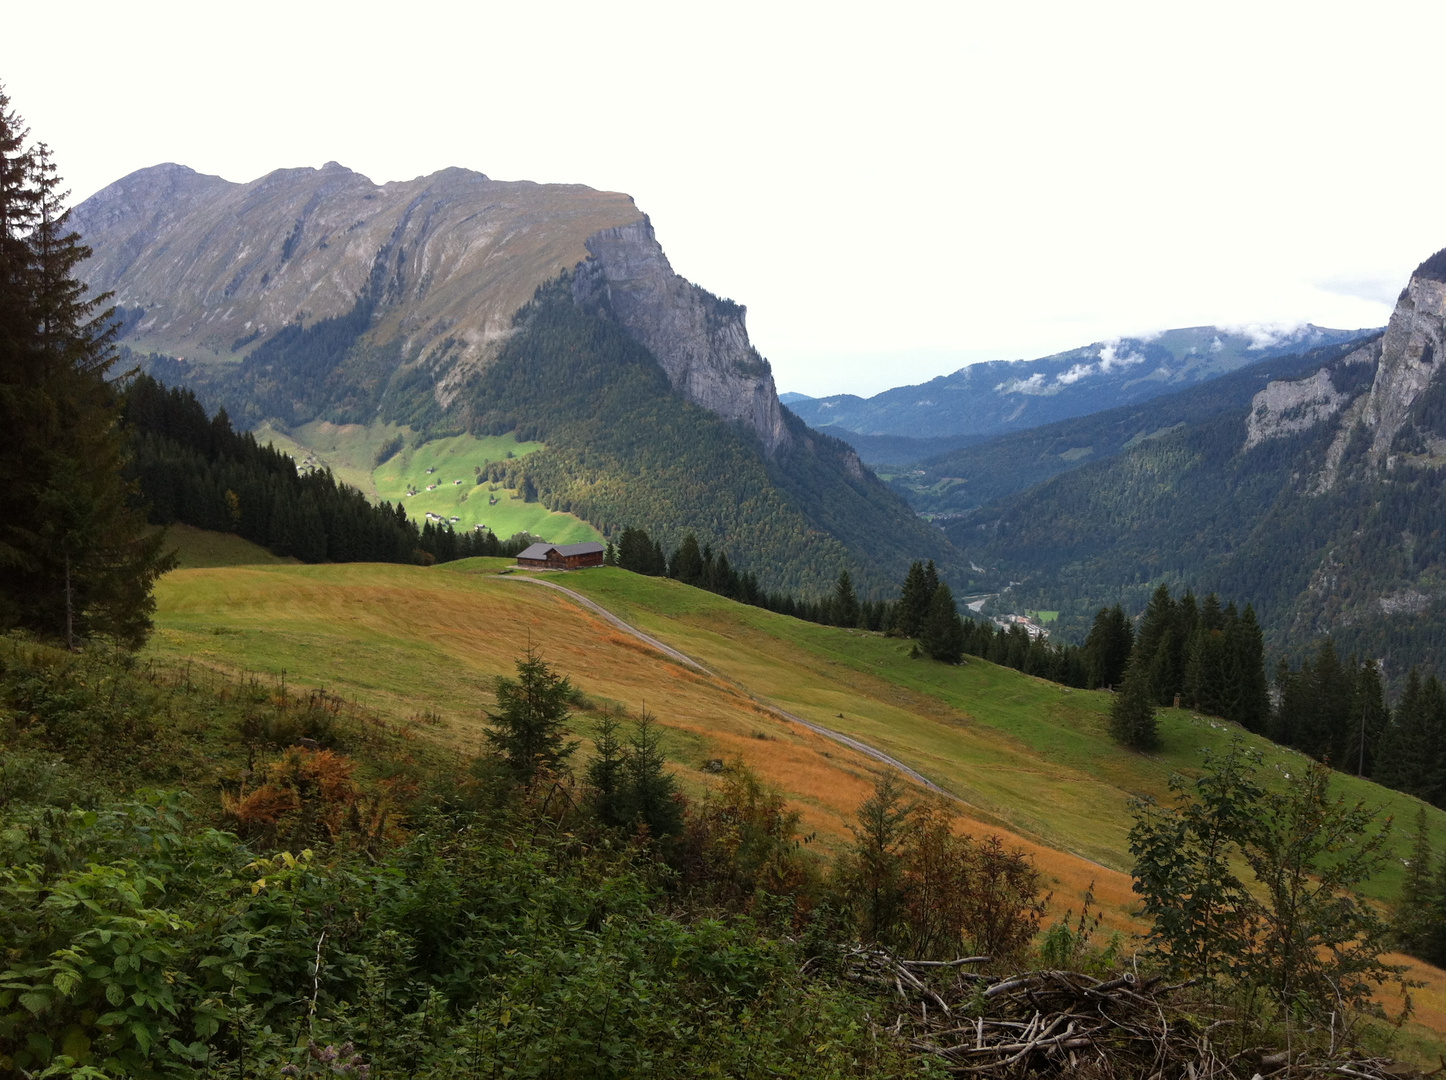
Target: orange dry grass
(399,638)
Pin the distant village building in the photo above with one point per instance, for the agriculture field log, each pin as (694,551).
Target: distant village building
(1032,627)
(562,556)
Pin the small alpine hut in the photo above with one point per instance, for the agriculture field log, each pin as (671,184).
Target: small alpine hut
(562,556)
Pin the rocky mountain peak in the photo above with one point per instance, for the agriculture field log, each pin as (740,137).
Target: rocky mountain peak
(219,267)
(1406,360)
(699,339)
(1410,353)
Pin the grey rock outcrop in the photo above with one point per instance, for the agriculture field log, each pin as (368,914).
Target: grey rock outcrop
(442,262)
(699,339)
(1407,358)
(1410,357)
(1283,408)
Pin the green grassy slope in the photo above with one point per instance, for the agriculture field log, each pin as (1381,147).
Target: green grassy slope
(350,451)
(1027,752)
(200,548)
(1024,754)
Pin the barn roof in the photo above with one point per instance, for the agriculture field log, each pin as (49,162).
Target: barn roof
(587,547)
(539,551)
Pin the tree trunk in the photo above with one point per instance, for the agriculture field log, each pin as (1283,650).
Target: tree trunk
(69,610)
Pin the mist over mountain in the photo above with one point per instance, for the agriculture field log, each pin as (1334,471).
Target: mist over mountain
(989,468)
(1001,396)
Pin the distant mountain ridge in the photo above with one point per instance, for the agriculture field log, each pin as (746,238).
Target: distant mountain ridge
(433,305)
(961,480)
(1320,499)
(1001,396)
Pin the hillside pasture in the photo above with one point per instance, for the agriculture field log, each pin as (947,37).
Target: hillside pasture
(1028,759)
(351,451)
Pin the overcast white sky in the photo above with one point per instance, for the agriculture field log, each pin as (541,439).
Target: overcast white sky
(893,189)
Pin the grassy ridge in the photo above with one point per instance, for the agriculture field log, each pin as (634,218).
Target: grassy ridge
(1027,754)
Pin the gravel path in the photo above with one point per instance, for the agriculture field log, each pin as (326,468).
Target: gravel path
(667,650)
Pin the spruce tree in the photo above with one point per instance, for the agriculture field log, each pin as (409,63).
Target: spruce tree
(1412,921)
(605,772)
(1156,625)
(1411,752)
(687,563)
(1329,726)
(1394,766)
(649,793)
(1364,723)
(529,727)
(1132,713)
(1108,647)
(845,609)
(942,635)
(76,558)
(1204,671)
(1252,704)
(913,602)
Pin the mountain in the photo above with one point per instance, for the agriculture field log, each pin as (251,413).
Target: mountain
(454,306)
(1002,396)
(1320,500)
(957,482)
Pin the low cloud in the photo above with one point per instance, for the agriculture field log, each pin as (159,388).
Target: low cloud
(1031,385)
(1269,335)
(1111,358)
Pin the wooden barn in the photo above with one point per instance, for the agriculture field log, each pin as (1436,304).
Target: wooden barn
(562,556)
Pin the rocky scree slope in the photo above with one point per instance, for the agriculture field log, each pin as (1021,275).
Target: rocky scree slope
(1322,501)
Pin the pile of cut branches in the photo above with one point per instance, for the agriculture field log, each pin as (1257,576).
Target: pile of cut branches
(1069,1023)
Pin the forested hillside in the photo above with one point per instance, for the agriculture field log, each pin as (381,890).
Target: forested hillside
(1320,500)
(623,450)
(196,469)
(962,480)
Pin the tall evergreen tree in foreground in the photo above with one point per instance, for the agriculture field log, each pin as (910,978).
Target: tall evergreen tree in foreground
(75,556)
(529,728)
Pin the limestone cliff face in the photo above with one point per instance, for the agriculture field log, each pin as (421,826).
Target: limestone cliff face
(1406,360)
(1286,407)
(1411,356)
(699,339)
